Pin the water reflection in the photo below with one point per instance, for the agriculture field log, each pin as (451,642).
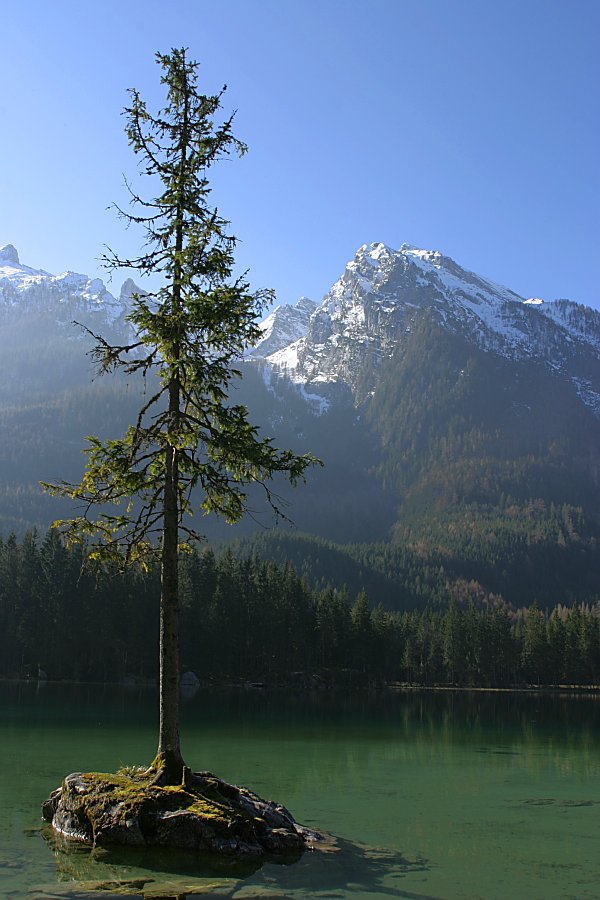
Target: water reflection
(354,869)
(505,723)
(452,711)
(82,863)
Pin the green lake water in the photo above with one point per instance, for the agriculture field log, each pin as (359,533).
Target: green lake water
(429,795)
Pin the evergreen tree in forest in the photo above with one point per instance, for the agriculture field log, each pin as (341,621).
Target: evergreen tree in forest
(534,653)
(138,490)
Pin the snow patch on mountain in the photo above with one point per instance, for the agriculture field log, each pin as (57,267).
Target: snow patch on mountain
(287,358)
(587,394)
(317,402)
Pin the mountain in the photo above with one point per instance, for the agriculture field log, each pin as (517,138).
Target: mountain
(371,311)
(465,415)
(49,395)
(27,291)
(459,424)
(283,326)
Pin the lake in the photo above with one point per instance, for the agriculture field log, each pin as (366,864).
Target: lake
(430,795)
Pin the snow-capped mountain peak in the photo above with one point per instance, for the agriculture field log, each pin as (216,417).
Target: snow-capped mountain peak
(284,325)
(370,311)
(11,268)
(128,289)
(69,295)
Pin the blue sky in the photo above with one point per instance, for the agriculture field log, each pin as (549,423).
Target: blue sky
(468,126)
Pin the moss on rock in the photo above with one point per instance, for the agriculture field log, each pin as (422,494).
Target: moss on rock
(203,813)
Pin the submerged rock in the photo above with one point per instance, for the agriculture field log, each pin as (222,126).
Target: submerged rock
(205,814)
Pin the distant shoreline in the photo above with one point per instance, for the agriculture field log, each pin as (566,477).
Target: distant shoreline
(393,687)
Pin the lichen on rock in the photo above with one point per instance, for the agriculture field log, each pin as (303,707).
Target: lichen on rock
(204,813)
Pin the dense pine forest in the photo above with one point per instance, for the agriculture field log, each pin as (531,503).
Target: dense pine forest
(245,619)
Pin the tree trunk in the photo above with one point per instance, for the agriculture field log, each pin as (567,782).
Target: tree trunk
(169,762)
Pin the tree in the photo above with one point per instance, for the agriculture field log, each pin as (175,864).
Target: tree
(360,618)
(187,437)
(534,645)
(454,646)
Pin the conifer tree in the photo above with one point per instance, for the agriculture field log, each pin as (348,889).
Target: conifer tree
(188,438)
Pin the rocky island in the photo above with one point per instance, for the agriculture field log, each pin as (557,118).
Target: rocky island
(204,813)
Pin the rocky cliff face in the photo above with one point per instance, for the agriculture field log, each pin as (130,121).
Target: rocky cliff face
(282,327)
(370,312)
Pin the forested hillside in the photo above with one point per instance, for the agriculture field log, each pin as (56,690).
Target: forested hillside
(243,619)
